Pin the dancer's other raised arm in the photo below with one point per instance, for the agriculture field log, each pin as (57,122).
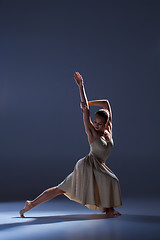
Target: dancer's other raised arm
(106,105)
(102,103)
(89,128)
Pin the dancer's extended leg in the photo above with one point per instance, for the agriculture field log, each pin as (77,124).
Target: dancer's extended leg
(48,194)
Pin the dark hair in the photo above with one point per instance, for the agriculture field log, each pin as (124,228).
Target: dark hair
(103,113)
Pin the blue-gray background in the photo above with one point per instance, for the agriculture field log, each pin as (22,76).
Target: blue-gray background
(115,45)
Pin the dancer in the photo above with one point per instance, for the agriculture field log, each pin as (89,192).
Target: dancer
(91,183)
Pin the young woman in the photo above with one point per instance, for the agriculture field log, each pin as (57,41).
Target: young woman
(91,183)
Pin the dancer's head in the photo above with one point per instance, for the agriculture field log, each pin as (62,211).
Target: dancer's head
(100,120)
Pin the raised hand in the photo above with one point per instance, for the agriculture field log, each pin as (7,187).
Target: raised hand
(78,78)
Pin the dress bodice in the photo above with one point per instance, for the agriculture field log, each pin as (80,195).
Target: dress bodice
(101,148)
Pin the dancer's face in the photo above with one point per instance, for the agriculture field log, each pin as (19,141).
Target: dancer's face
(99,123)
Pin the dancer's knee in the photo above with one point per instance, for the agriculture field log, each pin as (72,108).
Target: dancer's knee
(48,192)
(53,191)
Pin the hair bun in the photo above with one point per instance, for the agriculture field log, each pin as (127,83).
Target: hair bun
(103,113)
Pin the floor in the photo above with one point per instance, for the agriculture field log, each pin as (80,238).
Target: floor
(62,218)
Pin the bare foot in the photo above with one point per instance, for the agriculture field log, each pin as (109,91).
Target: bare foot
(112,212)
(28,206)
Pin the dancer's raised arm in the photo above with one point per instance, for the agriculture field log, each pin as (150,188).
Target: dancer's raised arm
(89,128)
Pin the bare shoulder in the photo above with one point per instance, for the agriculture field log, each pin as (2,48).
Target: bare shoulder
(108,128)
(108,136)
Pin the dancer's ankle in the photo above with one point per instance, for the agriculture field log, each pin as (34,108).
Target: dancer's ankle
(32,204)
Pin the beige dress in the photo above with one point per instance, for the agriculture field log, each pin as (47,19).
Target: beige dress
(92,183)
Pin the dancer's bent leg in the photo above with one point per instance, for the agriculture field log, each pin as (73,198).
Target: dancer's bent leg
(111,211)
(47,195)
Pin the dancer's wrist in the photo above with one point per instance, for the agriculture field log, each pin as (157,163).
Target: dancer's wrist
(81,85)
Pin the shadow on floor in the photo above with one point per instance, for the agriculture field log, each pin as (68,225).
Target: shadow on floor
(54,219)
(63,218)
